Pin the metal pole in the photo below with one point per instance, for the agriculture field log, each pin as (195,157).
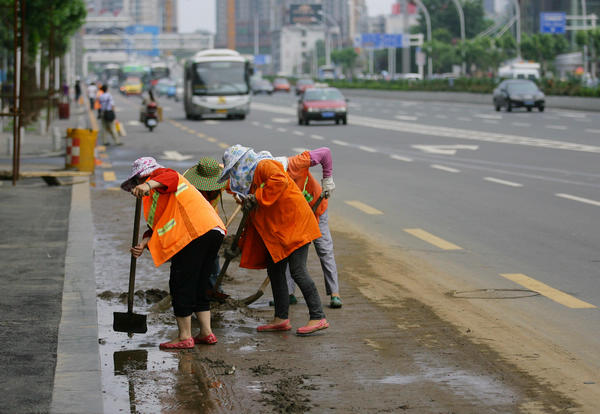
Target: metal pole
(461,18)
(518,17)
(405,34)
(20,107)
(255,29)
(585,47)
(15,111)
(428,23)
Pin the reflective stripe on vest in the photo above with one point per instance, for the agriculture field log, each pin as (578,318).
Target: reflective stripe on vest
(150,220)
(168,226)
(181,188)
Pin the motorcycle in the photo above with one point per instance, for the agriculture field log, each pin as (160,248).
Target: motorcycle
(150,115)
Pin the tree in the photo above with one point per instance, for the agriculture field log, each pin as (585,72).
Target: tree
(346,58)
(445,16)
(543,47)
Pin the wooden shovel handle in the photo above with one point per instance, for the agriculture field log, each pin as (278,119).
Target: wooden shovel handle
(134,242)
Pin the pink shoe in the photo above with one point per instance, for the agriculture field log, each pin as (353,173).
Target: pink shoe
(272,327)
(307,330)
(185,344)
(209,339)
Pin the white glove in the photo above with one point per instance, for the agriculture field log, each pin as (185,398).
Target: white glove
(328,186)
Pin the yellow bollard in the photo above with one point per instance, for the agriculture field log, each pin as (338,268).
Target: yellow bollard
(83,150)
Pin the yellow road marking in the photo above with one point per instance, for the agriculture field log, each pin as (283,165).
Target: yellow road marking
(109,176)
(113,188)
(200,134)
(223,145)
(431,239)
(373,344)
(363,207)
(101,148)
(211,139)
(105,165)
(545,290)
(103,155)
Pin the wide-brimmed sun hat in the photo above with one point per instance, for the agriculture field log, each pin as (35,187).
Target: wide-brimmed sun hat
(205,175)
(231,156)
(142,167)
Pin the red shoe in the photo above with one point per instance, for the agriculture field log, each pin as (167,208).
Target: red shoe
(209,339)
(272,327)
(185,344)
(307,330)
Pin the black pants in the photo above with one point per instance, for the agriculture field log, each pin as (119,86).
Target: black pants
(190,271)
(299,271)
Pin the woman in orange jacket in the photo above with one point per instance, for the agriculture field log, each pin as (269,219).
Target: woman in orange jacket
(185,230)
(279,228)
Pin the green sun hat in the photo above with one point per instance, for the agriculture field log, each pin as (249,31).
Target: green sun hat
(205,174)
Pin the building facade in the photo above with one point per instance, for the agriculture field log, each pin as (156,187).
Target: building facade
(293,46)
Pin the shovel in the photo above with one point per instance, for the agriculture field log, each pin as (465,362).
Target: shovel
(234,243)
(128,321)
(265,283)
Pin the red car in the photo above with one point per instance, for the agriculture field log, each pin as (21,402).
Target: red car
(303,84)
(281,85)
(322,104)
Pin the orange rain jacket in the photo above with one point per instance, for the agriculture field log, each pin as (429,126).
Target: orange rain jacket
(177,218)
(282,222)
(298,166)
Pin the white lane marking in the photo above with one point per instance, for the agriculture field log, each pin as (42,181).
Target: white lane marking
(442,116)
(281,120)
(167,108)
(576,115)
(464,118)
(133,123)
(400,158)
(281,129)
(490,121)
(504,182)
(298,133)
(420,114)
(319,137)
(211,122)
(448,132)
(406,118)
(267,126)
(444,168)
(580,199)
(255,123)
(593,131)
(175,156)
(560,127)
(300,150)
(487,116)
(367,149)
(342,143)
(521,124)
(444,149)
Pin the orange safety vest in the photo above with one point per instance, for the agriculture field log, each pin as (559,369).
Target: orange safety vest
(176,219)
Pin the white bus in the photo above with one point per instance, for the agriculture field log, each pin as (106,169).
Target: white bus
(217,83)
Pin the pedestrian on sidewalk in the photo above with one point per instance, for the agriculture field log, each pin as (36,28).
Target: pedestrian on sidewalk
(77,90)
(298,169)
(92,89)
(107,109)
(280,225)
(204,176)
(185,229)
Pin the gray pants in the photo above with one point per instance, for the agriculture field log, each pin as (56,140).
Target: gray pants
(324,249)
(112,130)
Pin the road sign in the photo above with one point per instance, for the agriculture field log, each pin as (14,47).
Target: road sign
(262,59)
(378,40)
(554,23)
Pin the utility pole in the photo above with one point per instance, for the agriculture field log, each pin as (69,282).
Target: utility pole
(518,26)
(429,38)
(405,38)
(461,18)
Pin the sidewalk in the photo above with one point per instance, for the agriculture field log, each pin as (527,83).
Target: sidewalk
(50,353)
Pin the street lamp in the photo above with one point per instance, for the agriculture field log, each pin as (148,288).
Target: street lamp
(327,40)
(428,23)
(461,18)
(518,17)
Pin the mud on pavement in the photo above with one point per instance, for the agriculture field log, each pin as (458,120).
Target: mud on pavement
(384,353)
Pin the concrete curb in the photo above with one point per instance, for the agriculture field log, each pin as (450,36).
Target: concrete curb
(77,378)
(560,102)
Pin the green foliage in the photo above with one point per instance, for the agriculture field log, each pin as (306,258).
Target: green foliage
(444,15)
(543,47)
(346,58)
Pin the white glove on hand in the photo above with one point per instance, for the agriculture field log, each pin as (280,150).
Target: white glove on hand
(328,186)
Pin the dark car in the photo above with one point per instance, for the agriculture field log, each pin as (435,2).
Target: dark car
(515,93)
(303,84)
(322,104)
(261,86)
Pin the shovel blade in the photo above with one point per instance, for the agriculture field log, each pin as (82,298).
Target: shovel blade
(129,322)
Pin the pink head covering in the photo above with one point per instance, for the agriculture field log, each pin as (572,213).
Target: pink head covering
(142,167)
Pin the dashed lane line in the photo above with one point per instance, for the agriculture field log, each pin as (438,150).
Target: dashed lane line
(109,176)
(547,291)
(444,168)
(431,239)
(593,131)
(400,158)
(338,142)
(559,127)
(367,149)
(504,182)
(521,124)
(580,199)
(300,150)
(364,207)
(224,145)
(281,129)
(267,126)
(299,133)
(200,135)
(318,137)
(211,139)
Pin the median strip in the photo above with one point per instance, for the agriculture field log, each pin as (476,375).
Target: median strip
(547,291)
(364,208)
(431,239)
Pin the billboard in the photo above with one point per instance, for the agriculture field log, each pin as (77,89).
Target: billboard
(305,14)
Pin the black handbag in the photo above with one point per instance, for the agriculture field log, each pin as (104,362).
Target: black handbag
(109,115)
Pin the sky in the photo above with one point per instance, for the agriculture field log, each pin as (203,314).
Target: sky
(200,14)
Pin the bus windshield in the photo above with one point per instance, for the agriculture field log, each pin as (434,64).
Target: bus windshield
(220,78)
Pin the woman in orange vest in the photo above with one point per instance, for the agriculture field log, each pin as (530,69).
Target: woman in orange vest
(185,229)
(279,228)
